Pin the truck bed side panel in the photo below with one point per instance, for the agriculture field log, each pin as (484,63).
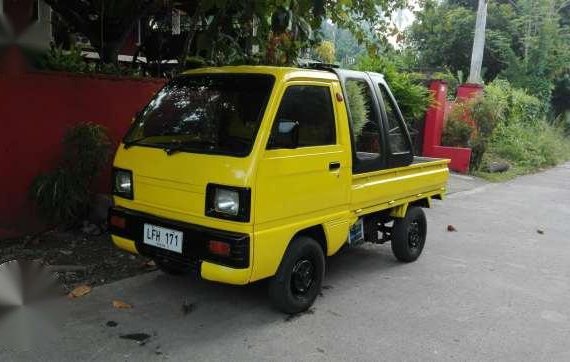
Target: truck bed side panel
(389,186)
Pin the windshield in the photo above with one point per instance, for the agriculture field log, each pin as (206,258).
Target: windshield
(206,113)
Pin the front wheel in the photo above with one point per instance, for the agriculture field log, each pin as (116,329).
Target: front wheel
(409,235)
(299,278)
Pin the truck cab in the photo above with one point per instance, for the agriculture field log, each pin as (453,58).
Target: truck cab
(251,172)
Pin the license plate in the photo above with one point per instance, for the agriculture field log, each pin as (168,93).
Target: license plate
(163,238)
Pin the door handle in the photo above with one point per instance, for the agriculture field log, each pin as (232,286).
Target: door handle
(334,166)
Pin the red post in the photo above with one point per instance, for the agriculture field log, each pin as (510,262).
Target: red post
(433,125)
(468,91)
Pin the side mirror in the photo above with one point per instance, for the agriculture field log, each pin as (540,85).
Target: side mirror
(285,134)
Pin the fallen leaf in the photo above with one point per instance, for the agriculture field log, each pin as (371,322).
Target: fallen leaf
(451,228)
(119,304)
(112,324)
(79,291)
(149,265)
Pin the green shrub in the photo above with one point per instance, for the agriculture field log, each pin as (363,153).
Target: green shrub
(59,196)
(58,59)
(63,194)
(413,97)
(456,133)
(358,106)
(510,123)
(86,149)
(530,147)
(64,60)
(518,132)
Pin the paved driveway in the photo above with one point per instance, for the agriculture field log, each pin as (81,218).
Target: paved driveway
(495,289)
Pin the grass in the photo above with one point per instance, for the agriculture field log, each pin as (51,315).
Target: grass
(527,148)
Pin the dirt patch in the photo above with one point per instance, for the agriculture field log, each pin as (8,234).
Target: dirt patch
(76,257)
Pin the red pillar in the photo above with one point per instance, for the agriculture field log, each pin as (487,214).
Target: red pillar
(433,124)
(469,91)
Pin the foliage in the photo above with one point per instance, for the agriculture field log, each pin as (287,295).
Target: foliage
(530,147)
(62,60)
(106,24)
(443,35)
(511,126)
(456,133)
(413,98)
(527,41)
(62,195)
(358,107)
(347,48)
(72,61)
(486,114)
(545,45)
(326,51)
(86,149)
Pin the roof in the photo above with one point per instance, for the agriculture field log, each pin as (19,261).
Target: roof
(278,72)
(286,73)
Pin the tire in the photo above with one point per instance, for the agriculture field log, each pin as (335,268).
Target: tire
(409,235)
(171,267)
(299,278)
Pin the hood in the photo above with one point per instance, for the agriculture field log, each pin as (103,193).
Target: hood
(177,183)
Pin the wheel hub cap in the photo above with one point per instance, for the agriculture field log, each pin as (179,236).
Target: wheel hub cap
(414,234)
(302,277)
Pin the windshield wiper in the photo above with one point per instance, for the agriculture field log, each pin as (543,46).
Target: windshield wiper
(129,144)
(172,148)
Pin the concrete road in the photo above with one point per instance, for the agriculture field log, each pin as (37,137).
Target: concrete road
(494,290)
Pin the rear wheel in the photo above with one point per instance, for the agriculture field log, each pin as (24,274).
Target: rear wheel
(299,278)
(409,235)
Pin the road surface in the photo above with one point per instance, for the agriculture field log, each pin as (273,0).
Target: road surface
(496,289)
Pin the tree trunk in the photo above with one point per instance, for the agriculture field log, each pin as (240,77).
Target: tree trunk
(478,43)
(189,38)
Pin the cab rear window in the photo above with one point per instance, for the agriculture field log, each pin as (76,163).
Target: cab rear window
(209,113)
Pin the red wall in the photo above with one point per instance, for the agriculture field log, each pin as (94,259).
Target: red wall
(35,111)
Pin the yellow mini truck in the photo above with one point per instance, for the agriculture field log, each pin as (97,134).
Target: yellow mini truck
(252,172)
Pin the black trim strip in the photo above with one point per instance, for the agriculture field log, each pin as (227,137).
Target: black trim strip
(195,239)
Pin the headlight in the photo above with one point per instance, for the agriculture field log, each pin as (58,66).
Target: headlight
(227,202)
(123,183)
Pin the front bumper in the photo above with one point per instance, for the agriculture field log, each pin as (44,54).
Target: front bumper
(234,269)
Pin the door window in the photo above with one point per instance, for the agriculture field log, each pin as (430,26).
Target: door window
(311,107)
(397,138)
(364,122)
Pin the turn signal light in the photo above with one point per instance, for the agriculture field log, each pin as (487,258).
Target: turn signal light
(118,221)
(219,248)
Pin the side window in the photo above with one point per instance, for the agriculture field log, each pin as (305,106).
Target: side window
(397,138)
(363,120)
(311,107)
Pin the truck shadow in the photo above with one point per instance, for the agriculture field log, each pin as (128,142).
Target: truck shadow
(175,305)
